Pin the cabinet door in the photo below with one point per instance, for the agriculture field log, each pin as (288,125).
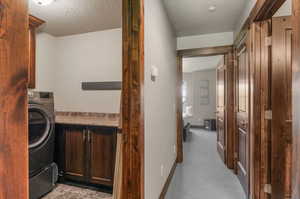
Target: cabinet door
(102,150)
(75,153)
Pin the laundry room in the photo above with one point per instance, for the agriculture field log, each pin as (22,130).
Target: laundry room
(74,97)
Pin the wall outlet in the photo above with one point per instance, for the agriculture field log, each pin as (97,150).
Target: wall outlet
(162,170)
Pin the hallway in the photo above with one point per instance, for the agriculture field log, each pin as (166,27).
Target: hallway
(203,175)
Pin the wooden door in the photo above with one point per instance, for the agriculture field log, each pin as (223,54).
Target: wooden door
(75,153)
(102,155)
(296,98)
(221,124)
(13,99)
(242,117)
(281,107)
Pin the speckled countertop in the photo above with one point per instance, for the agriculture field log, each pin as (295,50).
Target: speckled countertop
(90,119)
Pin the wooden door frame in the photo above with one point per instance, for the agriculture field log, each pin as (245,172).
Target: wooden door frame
(296,108)
(203,52)
(133,100)
(14,46)
(263,10)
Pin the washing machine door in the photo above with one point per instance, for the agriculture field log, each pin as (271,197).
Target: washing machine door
(40,125)
(41,138)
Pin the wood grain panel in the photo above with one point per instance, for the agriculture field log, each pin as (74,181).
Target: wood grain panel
(265,103)
(281,105)
(230,109)
(133,99)
(202,52)
(102,158)
(296,98)
(255,108)
(242,114)
(75,152)
(13,99)
(263,10)
(179,110)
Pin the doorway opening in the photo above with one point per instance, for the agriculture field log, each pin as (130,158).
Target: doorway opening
(208,147)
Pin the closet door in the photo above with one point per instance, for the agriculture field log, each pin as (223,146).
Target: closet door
(242,115)
(281,107)
(221,124)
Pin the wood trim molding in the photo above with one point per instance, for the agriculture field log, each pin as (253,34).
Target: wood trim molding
(263,9)
(133,100)
(179,111)
(296,96)
(168,182)
(35,22)
(267,8)
(13,91)
(209,51)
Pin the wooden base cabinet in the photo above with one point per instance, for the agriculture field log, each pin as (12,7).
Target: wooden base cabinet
(86,154)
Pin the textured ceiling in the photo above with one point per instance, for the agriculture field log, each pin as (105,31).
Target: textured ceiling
(193,64)
(67,17)
(191,17)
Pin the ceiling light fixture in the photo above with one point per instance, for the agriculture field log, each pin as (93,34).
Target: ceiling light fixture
(212,8)
(43,2)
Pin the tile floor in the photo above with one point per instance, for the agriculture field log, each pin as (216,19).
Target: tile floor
(63,191)
(203,175)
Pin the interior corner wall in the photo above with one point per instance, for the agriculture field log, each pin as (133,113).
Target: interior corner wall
(200,112)
(244,15)
(46,62)
(160,98)
(205,40)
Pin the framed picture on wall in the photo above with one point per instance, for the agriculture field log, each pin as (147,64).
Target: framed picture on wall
(204,92)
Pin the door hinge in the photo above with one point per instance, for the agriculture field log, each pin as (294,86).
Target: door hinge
(235,155)
(268,41)
(268,114)
(268,188)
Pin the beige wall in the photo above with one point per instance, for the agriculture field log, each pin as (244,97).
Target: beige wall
(46,62)
(285,9)
(200,112)
(160,98)
(244,15)
(64,62)
(205,40)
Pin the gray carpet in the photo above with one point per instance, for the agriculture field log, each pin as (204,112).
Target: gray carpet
(71,192)
(203,175)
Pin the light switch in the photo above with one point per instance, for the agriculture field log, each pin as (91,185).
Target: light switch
(154,72)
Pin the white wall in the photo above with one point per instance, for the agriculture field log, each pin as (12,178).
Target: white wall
(244,15)
(95,56)
(205,40)
(160,98)
(46,62)
(200,112)
(285,9)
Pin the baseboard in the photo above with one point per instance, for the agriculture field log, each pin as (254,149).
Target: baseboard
(168,182)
